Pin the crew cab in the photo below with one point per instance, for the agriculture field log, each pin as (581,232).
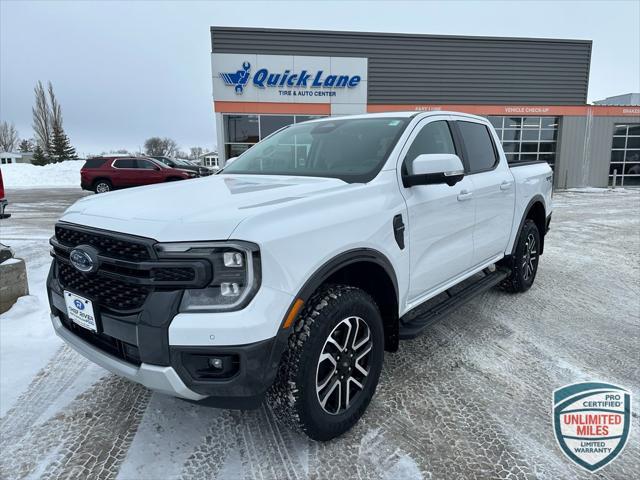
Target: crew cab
(288,275)
(103,174)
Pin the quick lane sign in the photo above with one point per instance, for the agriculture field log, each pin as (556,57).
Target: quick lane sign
(270,78)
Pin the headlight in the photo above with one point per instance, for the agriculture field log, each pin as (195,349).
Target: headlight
(236,274)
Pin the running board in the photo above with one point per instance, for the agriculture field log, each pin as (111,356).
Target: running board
(417,325)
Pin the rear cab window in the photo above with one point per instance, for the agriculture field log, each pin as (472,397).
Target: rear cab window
(94,163)
(480,151)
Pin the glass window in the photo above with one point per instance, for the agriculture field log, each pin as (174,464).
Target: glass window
(633,142)
(478,146)
(272,123)
(235,150)
(511,147)
(435,137)
(530,134)
(618,142)
(496,122)
(125,163)
(510,135)
(241,128)
(513,122)
(146,165)
(625,156)
(351,149)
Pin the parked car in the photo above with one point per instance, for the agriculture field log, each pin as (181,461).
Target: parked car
(103,174)
(183,164)
(288,274)
(3,200)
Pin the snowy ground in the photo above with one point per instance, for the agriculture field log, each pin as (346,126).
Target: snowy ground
(470,399)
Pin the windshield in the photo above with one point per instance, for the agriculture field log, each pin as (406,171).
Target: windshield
(353,150)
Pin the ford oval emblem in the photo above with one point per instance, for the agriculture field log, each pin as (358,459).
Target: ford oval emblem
(84,259)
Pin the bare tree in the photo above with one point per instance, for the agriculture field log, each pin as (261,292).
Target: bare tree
(196,153)
(42,119)
(56,111)
(8,137)
(160,146)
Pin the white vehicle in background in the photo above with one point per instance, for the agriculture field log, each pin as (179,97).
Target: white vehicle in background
(289,273)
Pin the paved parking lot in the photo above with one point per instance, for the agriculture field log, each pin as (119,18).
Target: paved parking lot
(469,399)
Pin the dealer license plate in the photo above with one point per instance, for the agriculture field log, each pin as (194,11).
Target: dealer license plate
(80,311)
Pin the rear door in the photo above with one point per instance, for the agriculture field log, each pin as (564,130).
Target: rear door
(441,218)
(123,172)
(493,189)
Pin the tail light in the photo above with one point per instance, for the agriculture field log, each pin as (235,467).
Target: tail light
(1,186)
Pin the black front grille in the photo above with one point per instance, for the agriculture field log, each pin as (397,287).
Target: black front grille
(125,351)
(124,249)
(104,291)
(173,274)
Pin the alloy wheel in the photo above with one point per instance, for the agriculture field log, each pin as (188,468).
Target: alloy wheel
(343,365)
(102,188)
(529,258)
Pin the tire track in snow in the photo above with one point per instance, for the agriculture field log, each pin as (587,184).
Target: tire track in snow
(56,377)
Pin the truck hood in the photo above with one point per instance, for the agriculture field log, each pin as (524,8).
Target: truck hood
(200,209)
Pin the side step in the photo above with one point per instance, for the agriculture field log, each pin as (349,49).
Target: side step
(416,326)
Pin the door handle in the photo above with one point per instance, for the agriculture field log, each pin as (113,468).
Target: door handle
(505,185)
(464,195)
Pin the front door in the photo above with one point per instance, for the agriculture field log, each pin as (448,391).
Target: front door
(441,218)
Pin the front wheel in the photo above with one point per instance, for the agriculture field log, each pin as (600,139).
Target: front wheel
(330,372)
(525,260)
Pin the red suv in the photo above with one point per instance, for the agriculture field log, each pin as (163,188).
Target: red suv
(103,174)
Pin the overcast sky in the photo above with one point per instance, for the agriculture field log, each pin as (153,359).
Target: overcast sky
(125,71)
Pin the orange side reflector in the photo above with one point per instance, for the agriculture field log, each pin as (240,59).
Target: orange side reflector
(293,313)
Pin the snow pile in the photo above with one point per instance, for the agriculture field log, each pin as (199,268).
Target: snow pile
(63,174)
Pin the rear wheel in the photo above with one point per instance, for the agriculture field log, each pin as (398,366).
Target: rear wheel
(330,372)
(102,186)
(525,260)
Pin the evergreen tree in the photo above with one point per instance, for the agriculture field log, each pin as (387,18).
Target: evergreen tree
(61,148)
(26,146)
(39,158)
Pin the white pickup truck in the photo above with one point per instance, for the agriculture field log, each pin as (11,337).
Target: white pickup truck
(289,273)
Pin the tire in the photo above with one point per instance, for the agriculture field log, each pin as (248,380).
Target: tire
(324,413)
(102,186)
(524,264)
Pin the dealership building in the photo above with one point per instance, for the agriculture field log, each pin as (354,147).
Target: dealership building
(534,91)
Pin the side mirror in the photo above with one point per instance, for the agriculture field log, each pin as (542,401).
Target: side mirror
(434,169)
(230,161)
(156,168)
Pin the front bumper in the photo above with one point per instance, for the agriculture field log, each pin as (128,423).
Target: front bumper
(162,379)
(137,346)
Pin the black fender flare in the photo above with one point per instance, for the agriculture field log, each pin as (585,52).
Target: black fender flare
(535,199)
(342,260)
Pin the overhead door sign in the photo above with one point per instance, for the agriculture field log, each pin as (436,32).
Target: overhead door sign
(281,78)
(591,422)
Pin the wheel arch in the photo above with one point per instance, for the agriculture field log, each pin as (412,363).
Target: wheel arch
(535,211)
(369,270)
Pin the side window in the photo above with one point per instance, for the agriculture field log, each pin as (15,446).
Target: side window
(435,137)
(481,154)
(125,163)
(145,164)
